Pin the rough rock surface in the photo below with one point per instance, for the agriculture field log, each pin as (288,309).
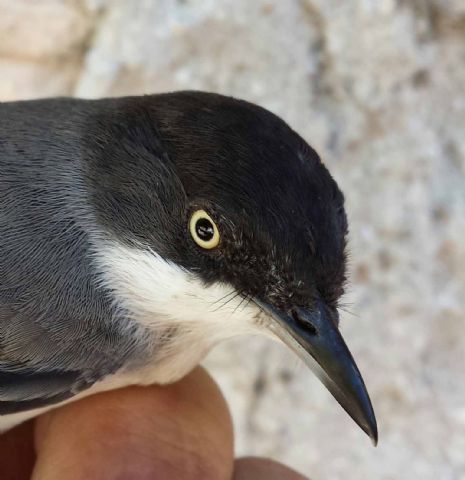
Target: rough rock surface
(378,88)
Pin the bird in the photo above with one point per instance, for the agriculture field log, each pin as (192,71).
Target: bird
(138,232)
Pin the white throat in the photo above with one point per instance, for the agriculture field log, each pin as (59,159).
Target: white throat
(186,317)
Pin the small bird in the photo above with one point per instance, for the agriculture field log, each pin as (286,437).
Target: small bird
(138,232)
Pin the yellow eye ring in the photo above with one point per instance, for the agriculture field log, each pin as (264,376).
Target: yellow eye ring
(203,230)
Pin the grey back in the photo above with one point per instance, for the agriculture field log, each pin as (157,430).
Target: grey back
(60,330)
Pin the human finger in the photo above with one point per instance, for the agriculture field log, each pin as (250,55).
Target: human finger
(180,431)
(254,468)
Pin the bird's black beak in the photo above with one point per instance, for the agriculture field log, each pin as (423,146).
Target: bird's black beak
(315,337)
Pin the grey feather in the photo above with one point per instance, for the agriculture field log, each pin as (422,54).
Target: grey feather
(60,330)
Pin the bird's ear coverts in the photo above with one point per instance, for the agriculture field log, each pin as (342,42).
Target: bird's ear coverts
(125,195)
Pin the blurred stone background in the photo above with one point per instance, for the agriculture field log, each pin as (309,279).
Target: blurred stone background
(378,88)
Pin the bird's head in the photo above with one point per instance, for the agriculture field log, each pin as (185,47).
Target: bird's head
(221,220)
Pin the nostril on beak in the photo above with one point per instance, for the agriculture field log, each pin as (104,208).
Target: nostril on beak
(304,322)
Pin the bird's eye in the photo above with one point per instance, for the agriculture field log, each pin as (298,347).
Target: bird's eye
(203,230)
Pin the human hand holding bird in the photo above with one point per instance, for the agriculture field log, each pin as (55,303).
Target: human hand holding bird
(181,431)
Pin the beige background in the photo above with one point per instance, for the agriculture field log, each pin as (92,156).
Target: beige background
(377,87)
